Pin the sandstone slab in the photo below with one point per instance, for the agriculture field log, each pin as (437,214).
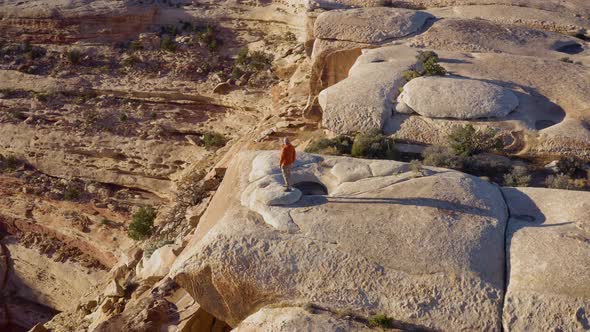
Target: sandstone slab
(369,25)
(548,246)
(449,97)
(408,246)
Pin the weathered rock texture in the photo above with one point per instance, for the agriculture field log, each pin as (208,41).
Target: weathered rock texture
(451,97)
(340,36)
(64,21)
(548,246)
(297,319)
(364,100)
(309,251)
(485,36)
(369,25)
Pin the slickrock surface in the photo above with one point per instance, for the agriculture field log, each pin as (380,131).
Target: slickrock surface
(485,36)
(450,97)
(548,246)
(297,319)
(364,100)
(369,25)
(309,251)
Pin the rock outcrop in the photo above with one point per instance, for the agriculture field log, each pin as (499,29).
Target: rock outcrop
(456,98)
(364,100)
(308,252)
(69,21)
(369,25)
(548,248)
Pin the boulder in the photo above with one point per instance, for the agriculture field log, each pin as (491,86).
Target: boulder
(548,246)
(363,101)
(114,290)
(472,35)
(369,25)
(451,97)
(297,319)
(158,265)
(407,246)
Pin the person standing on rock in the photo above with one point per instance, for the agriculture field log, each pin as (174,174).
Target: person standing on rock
(287,159)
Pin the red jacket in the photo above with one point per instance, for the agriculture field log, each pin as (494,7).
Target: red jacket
(287,155)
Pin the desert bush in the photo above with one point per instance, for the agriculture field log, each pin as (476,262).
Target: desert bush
(442,156)
(432,68)
(142,224)
(9,162)
(254,61)
(373,145)
(566,60)
(336,146)
(74,56)
(123,117)
(130,61)
(571,166)
(424,56)
(167,44)
(71,193)
(213,140)
(208,36)
(467,141)
(410,74)
(560,181)
(485,164)
(170,30)
(416,166)
(380,320)
(518,177)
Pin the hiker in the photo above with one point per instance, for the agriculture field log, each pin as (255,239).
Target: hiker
(287,160)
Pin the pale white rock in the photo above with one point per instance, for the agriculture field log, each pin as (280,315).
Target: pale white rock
(275,194)
(350,171)
(369,25)
(548,243)
(364,100)
(387,167)
(114,290)
(452,97)
(291,319)
(412,249)
(158,265)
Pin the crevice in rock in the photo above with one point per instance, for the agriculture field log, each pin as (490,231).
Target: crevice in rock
(506,267)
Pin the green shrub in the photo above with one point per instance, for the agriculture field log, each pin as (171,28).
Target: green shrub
(424,56)
(373,145)
(432,68)
(518,177)
(410,74)
(71,193)
(130,61)
(380,320)
(560,181)
(336,146)
(142,224)
(467,141)
(168,44)
(9,162)
(74,56)
(123,117)
(254,61)
(208,37)
(213,140)
(571,166)
(442,156)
